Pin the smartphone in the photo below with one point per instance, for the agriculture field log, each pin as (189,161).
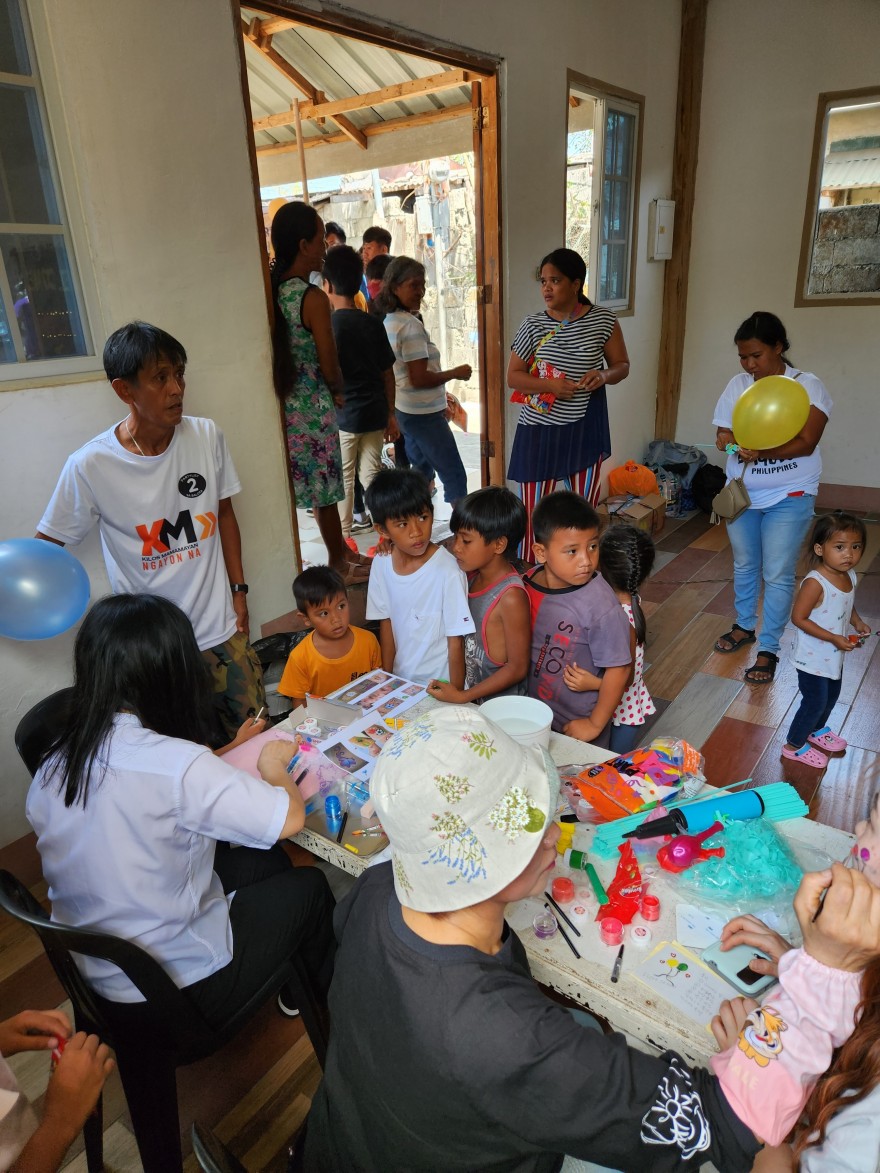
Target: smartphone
(733,966)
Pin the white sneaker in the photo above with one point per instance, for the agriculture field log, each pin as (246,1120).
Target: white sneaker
(287,1011)
(361,522)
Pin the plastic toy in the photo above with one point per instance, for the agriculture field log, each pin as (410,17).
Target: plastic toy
(624,891)
(683,851)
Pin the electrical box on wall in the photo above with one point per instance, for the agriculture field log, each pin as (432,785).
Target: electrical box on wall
(661,217)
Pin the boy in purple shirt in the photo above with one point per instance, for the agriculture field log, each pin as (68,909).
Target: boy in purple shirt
(578,626)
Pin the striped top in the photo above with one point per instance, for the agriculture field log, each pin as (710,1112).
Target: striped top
(578,347)
(410,341)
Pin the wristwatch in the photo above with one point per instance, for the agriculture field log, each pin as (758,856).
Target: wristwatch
(239,588)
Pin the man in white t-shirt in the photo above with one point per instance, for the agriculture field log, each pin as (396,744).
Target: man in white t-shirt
(158,485)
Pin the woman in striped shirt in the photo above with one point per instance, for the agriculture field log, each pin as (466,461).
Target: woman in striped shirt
(560,363)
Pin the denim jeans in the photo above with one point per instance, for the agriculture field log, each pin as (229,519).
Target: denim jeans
(766,544)
(430,445)
(818,697)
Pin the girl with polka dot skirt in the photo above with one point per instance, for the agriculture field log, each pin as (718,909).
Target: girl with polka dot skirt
(626,558)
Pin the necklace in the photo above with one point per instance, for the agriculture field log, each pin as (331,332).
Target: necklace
(131,437)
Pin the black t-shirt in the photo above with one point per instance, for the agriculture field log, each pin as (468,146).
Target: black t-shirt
(442,1057)
(364,354)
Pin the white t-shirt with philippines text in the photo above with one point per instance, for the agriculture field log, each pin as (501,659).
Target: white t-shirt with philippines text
(158,517)
(769,481)
(425,609)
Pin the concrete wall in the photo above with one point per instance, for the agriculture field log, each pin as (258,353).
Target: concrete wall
(150,113)
(766,65)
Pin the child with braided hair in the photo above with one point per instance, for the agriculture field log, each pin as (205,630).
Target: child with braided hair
(626,558)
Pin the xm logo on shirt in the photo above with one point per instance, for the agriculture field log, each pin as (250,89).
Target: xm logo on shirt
(158,536)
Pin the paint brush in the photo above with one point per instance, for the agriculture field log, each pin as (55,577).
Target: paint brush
(573,928)
(564,934)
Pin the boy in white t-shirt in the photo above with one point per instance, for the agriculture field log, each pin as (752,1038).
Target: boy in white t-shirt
(418,593)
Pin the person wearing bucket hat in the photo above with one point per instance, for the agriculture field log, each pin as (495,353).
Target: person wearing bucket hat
(444,1053)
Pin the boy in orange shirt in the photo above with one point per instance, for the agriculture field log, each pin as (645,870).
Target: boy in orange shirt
(334,653)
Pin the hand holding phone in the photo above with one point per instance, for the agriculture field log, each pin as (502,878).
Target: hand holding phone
(733,966)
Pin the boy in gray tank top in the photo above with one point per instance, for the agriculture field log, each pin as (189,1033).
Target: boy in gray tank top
(488,526)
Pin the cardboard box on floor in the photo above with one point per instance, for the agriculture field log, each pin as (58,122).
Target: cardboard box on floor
(647,513)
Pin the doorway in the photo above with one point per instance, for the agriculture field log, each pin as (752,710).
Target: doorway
(371,129)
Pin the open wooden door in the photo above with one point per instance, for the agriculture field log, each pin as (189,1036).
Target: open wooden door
(487,199)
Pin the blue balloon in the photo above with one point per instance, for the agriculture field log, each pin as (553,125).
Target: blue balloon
(43,589)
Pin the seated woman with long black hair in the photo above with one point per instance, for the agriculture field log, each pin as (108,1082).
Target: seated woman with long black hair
(129,805)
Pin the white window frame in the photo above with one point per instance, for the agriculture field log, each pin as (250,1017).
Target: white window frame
(605,99)
(41,372)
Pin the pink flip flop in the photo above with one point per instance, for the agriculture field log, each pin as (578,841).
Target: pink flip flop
(809,757)
(826,739)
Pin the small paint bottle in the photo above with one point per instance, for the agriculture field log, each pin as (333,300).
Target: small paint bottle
(562,890)
(545,925)
(574,859)
(650,908)
(611,930)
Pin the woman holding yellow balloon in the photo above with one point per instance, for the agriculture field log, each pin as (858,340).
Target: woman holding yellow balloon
(769,420)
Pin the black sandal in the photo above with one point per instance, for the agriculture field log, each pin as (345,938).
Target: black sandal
(736,644)
(768,670)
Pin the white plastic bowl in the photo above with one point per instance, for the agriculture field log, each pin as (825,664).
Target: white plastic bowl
(525,720)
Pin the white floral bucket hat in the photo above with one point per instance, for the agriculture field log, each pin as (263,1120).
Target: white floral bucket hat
(464,806)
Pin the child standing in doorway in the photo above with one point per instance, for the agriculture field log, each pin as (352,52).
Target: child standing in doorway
(626,558)
(488,526)
(823,613)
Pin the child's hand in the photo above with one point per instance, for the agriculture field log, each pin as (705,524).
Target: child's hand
(583,729)
(76,1083)
(862,627)
(579,679)
(728,1022)
(442,690)
(249,729)
(33,1030)
(843,643)
(749,930)
(384,546)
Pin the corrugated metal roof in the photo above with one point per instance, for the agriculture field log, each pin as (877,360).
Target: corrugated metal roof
(846,169)
(340,67)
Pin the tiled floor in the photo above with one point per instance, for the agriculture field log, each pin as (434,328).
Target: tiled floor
(257,1091)
(740,727)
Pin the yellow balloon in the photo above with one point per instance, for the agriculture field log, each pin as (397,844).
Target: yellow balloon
(770,413)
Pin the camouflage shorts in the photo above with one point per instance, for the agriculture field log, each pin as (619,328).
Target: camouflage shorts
(238,682)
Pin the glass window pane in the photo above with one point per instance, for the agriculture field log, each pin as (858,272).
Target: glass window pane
(7,350)
(26,192)
(44,297)
(13,47)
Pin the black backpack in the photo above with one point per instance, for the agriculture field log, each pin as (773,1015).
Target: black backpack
(708,480)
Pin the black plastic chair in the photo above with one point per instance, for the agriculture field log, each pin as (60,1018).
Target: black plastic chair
(212,1155)
(152,1038)
(39,725)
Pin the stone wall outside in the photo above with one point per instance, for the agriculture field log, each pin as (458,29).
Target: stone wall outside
(846,251)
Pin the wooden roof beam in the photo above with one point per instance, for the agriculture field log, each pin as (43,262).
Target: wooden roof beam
(413,120)
(251,31)
(417,87)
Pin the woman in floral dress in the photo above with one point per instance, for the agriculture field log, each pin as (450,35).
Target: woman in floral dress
(308,380)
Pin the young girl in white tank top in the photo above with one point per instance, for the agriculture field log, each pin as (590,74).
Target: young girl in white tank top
(823,613)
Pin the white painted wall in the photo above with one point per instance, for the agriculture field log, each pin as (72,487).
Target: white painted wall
(150,105)
(152,112)
(766,65)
